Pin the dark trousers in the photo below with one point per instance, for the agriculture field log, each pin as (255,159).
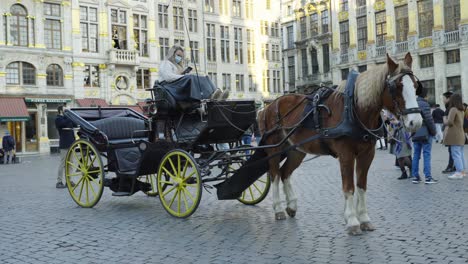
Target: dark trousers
(450,163)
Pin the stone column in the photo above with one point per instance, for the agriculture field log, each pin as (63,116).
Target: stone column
(39,25)
(352,51)
(2,28)
(413,25)
(390,38)
(440,82)
(371,29)
(75,27)
(104,38)
(78,77)
(464,71)
(67,41)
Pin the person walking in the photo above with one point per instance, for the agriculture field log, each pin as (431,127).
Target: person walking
(454,135)
(402,148)
(438,116)
(422,140)
(450,167)
(66,138)
(8,145)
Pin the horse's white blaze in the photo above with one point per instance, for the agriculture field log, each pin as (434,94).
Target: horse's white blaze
(291,199)
(361,206)
(350,211)
(412,121)
(276,195)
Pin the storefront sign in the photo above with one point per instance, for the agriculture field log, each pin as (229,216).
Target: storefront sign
(14,118)
(46,100)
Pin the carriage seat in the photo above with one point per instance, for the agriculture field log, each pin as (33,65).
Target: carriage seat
(167,102)
(120,130)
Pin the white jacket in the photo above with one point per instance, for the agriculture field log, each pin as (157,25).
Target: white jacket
(168,72)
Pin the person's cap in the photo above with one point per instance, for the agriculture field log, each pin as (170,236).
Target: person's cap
(447,94)
(7,132)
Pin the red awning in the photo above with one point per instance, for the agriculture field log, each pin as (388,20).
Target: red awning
(13,109)
(92,102)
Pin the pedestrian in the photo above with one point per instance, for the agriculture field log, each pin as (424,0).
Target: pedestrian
(450,167)
(422,140)
(383,141)
(438,116)
(8,145)
(66,138)
(454,135)
(402,148)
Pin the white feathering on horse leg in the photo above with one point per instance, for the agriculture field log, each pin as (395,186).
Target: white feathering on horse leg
(291,199)
(350,211)
(361,206)
(276,195)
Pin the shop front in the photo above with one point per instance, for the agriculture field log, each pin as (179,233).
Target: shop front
(13,118)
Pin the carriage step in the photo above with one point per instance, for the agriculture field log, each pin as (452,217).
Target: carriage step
(121,194)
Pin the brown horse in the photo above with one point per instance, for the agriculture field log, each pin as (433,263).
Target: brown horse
(372,94)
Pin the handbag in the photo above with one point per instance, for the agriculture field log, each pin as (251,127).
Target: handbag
(421,135)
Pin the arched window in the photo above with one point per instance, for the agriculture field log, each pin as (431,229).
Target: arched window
(18,25)
(21,73)
(54,75)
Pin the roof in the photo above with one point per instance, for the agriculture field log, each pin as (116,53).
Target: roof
(13,109)
(92,102)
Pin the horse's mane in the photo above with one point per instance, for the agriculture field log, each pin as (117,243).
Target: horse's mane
(370,85)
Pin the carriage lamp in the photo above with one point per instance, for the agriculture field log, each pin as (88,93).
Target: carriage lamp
(152,109)
(142,146)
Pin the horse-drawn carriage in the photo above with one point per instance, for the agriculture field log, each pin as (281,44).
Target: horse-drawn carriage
(172,154)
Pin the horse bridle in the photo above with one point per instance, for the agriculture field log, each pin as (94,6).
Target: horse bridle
(391,82)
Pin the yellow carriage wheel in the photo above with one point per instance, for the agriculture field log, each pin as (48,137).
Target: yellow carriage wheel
(256,192)
(179,183)
(84,173)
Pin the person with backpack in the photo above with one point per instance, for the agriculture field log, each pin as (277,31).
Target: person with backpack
(8,145)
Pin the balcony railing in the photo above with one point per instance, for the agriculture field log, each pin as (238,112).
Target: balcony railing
(127,57)
(401,47)
(381,51)
(361,11)
(452,37)
(344,58)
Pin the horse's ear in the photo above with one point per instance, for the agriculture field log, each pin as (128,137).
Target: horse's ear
(392,65)
(408,59)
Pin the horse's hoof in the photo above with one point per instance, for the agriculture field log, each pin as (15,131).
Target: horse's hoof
(367,226)
(354,230)
(291,212)
(280,216)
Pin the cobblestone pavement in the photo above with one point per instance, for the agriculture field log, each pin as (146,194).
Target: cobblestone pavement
(415,223)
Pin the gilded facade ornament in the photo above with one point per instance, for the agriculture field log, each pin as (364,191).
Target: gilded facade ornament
(362,55)
(425,43)
(379,5)
(400,2)
(342,16)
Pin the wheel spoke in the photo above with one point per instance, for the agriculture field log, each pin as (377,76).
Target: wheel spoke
(256,187)
(168,191)
(74,174)
(94,171)
(189,194)
(251,193)
(167,182)
(76,157)
(185,200)
(173,198)
(185,167)
(172,176)
(76,184)
(178,201)
(178,166)
(91,186)
(243,195)
(188,177)
(262,181)
(81,189)
(73,165)
(81,154)
(173,167)
(92,161)
(87,190)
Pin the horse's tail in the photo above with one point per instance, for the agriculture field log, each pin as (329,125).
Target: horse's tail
(261,121)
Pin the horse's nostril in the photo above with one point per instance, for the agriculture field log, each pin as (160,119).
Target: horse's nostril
(411,123)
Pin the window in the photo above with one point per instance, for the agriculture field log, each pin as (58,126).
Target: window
(344,37)
(268,4)
(180,42)
(19,27)
(344,74)
(454,84)
(275,52)
(20,73)
(119,28)
(266,81)
(225,53)
(249,9)
(223,7)
(430,86)
(143,79)
(326,58)
(163,48)
(178,18)
(238,50)
(314,27)
(226,81)
(401,17)
(213,77)
(451,15)
(360,3)
(193,20)
(275,29)
(239,82)
(314,60)
(250,46)
(425,19)
(325,21)
(89,29)
(252,84)
(195,51)
(209,6)
(210,42)
(236,8)
(54,75)
(426,60)
(163,16)
(290,33)
(380,28)
(91,76)
(305,68)
(276,81)
(291,72)
(140,33)
(343,5)
(52,26)
(362,68)
(453,56)
(264,27)
(362,32)
(303,26)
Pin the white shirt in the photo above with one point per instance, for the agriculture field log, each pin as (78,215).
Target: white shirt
(168,72)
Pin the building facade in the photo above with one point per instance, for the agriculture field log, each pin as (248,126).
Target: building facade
(71,51)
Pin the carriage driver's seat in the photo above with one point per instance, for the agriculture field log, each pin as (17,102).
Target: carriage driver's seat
(167,104)
(122,130)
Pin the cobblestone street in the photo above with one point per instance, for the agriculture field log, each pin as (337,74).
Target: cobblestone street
(415,223)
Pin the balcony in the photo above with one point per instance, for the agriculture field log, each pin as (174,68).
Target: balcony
(381,51)
(401,46)
(361,11)
(344,58)
(451,37)
(124,57)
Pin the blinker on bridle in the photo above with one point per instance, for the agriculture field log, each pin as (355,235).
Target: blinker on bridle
(392,86)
